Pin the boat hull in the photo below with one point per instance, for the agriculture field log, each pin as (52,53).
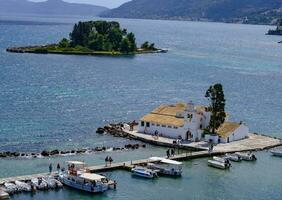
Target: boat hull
(276,153)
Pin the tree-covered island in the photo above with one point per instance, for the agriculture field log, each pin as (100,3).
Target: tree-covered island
(94,38)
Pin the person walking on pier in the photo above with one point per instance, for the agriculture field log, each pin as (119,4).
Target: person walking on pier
(172,152)
(110,160)
(106,161)
(58,167)
(50,168)
(168,153)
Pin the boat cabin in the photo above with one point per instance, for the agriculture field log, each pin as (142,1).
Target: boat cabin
(166,166)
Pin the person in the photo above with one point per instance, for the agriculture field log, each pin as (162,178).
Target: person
(111,160)
(106,161)
(50,168)
(172,152)
(58,167)
(167,153)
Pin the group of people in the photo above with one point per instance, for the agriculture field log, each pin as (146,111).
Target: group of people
(51,168)
(170,153)
(108,159)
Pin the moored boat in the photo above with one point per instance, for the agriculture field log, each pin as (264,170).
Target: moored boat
(276,152)
(166,166)
(233,157)
(144,172)
(50,181)
(77,177)
(247,156)
(218,164)
(39,184)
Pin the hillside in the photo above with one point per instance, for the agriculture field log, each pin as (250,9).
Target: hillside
(50,7)
(236,11)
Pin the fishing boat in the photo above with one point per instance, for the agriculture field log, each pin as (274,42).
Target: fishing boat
(77,177)
(220,159)
(218,164)
(276,152)
(247,156)
(10,188)
(166,166)
(22,186)
(144,172)
(233,157)
(39,184)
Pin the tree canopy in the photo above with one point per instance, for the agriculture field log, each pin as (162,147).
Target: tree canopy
(102,36)
(215,95)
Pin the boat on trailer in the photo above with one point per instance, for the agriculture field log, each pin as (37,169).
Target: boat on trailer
(249,156)
(276,152)
(144,172)
(78,177)
(166,166)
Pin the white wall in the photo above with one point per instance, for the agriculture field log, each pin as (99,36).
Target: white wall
(240,133)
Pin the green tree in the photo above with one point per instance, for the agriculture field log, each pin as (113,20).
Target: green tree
(115,37)
(97,44)
(215,95)
(132,41)
(145,45)
(125,45)
(64,43)
(152,46)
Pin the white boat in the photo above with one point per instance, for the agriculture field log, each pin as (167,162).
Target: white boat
(218,164)
(58,183)
(277,152)
(50,181)
(144,172)
(39,184)
(220,159)
(247,156)
(77,177)
(233,157)
(4,194)
(22,186)
(166,166)
(10,188)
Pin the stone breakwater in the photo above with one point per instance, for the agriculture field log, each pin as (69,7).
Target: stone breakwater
(113,129)
(56,152)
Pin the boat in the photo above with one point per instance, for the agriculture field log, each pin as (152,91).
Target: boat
(4,194)
(10,188)
(220,159)
(144,172)
(276,152)
(39,184)
(218,164)
(78,177)
(166,166)
(233,157)
(22,186)
(247,156)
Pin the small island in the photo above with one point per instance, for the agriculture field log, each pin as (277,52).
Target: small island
(94,38)
(278,30)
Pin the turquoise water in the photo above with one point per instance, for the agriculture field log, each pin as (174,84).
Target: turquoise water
(58,101)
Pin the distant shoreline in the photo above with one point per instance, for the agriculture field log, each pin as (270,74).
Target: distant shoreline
(43,49)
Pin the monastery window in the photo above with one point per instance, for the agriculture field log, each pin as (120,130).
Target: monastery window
(169,127)
(158,125)
(142,123)
(163,125)
(175,127)
(147,124)
(153,124)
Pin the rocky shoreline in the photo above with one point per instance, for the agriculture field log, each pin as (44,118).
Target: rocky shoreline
(56,152)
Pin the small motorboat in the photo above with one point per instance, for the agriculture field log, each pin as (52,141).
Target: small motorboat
(220,159)
(247,156)
(144,172)
(219,165)
(58,183)
(233,157)
(22,186)
(39,184)
(4,194)
(165,166)
(10,188)
(50,181)
(276,152)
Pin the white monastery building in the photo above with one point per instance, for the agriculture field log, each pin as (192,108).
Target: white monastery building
(187,122)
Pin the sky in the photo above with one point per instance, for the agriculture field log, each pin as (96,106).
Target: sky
(107,3)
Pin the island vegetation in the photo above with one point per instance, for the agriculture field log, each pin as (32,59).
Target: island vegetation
(95,38)
(278,30)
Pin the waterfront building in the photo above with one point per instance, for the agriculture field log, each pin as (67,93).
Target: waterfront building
(187,122)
